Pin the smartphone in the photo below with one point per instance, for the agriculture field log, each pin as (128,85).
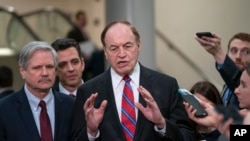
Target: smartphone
(230,112)
(194,101)
(201,34)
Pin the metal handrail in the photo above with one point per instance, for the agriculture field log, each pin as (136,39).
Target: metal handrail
(184,56)
(49,9)
(10,10)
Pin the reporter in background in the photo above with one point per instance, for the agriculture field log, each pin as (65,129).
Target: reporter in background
(6,81)
(229,64)
(216,120)
(206,92)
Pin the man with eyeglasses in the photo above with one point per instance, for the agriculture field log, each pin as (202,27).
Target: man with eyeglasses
(229,65)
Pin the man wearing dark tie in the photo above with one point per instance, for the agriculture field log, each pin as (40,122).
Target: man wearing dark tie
(36,112)
(129,102)
(70,66)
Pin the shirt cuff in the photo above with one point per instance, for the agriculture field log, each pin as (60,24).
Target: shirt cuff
(219,66)
(92,138)
(161,131)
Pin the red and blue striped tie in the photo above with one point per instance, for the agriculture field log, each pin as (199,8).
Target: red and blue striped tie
(128,110)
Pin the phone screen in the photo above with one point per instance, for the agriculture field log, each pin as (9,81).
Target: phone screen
(194,101)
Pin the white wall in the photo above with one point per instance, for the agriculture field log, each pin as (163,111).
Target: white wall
(179,21)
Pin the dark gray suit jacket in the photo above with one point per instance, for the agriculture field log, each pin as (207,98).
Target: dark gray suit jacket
(164,90)
(17,122)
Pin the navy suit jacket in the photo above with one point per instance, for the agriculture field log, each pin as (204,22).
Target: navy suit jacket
(6,93)
(164,90)
(17,122)
(230,73)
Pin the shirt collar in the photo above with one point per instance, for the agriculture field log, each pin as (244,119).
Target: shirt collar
(34,101)
(135,75)
(65,91)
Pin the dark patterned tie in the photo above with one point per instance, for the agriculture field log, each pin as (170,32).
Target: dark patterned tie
(45,127)
(128,111)
(72,95)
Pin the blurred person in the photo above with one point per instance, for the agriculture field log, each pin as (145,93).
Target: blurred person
(6,81)
(214,119)
(36,112)
(94,58)
(70,66)
(229,65)
(129,101)
(79,32)
(206,92)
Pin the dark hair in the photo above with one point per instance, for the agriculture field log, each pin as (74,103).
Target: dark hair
(241,36)
(6,76)
(133,29)
(208,90)
(79,13)
(65,43)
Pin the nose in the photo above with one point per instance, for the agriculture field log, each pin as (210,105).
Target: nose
(44,71)
(238,54)
(70,67)
(121,52)
(236,91)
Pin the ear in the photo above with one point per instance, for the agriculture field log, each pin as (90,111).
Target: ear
(105,53)
(22,71)
(139,45)
(83,64)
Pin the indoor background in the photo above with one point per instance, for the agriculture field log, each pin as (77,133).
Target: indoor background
(174,50)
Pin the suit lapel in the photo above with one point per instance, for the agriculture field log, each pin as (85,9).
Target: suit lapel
(26,115)
(141,120)
(112,113)
(59,126)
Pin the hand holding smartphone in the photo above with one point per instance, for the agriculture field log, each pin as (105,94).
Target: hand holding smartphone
(201,34)
(230,112)
(194,101)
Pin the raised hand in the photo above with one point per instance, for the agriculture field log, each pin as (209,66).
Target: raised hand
(151,111)
(93,115)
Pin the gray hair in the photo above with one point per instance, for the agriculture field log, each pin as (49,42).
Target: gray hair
(29,49)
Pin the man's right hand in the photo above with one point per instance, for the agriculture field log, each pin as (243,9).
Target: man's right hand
(93,116)
(213,46)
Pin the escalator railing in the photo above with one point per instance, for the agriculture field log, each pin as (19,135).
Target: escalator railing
(48,23)
(185,58)
(14,32)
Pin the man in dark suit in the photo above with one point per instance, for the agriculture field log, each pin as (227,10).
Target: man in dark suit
(229,65)
(78,32)
(70,66)
(6,81)
(158,113)
(36,112)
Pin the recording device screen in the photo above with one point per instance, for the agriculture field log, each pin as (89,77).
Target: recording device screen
(194,101)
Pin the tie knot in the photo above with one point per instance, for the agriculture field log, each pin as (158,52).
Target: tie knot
(42,104)
(126,78)
(72,95)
